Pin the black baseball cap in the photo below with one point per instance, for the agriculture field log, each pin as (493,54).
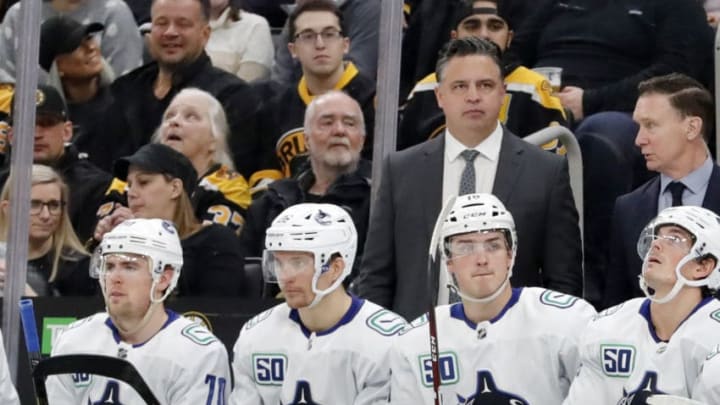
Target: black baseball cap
(158,158)
(465,9)
(60,35)
(48,101)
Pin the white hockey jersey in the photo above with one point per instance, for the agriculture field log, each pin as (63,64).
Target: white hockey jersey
(278,361)
(623,361)
(8,395)
(707,387)
(182,364)
(525,355)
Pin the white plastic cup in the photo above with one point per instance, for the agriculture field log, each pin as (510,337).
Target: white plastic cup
(553,75)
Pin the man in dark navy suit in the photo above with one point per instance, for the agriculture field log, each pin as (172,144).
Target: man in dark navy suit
(675,115)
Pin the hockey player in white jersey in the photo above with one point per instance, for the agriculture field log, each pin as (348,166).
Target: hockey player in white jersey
(707,386)
(323,345)
(8,395)
(498,345)
(657,345)
(181,361)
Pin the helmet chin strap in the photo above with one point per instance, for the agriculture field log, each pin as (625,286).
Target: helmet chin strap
(484,300)
(320,294)
(680,282)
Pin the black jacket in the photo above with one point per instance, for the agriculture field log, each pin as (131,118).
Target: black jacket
(350,191)
(646,38)
(135,112)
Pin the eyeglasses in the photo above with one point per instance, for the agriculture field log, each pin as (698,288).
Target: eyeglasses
(54,206)
(310,36)
(468,247)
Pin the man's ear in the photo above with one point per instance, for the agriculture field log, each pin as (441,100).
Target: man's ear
(705,268)
(67,131)
(695,125)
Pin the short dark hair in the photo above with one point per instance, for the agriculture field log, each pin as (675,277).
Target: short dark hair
(685,94)
(204,8)
(466,47)
(313,5)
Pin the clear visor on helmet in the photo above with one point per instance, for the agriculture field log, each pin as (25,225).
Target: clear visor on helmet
(468,244)
(281,265)
(669,236)
(120,262)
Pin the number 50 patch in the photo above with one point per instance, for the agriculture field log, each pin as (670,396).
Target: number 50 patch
(617,360)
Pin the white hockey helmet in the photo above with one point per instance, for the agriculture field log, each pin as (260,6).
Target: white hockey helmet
(156,239)
(325,230)
(480,212)
(704,227)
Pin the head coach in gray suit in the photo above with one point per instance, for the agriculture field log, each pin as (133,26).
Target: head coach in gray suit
(475,154)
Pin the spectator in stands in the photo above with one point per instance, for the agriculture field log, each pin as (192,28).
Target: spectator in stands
(533,185)
(318,41)
(57,261)
(362,19)
(160,181)
(240,42)
(530,105)
(195,125)
(429,23)
(334,132)
(53,132)
(70,53)
(120,42)
(177,40)
(675,115)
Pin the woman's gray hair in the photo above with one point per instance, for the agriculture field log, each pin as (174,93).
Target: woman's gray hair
(219,127)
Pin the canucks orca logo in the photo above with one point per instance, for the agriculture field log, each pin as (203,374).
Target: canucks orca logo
(487,393)
(111,396)
(646,389)
(303,396)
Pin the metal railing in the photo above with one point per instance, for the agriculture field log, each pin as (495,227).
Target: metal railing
(574,157)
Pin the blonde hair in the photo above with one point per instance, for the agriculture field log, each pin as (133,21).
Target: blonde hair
(184,217)
(64,238)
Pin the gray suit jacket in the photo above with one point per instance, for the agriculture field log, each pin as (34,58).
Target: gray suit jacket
(534,186)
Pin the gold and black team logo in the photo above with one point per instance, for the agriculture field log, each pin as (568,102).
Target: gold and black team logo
(39,97)
(198,317)
(290,145)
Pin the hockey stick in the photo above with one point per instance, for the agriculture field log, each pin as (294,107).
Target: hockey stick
(106,366)
(432,322)
(32,342)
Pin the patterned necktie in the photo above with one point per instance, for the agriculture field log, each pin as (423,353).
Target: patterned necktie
(467,179)
(676,189)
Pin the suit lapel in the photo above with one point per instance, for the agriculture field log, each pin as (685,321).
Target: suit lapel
(509,166)
(431,179)
(712,195)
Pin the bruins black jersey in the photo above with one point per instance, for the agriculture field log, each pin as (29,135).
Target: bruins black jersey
(529,106)
(281,119)
(222,196)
